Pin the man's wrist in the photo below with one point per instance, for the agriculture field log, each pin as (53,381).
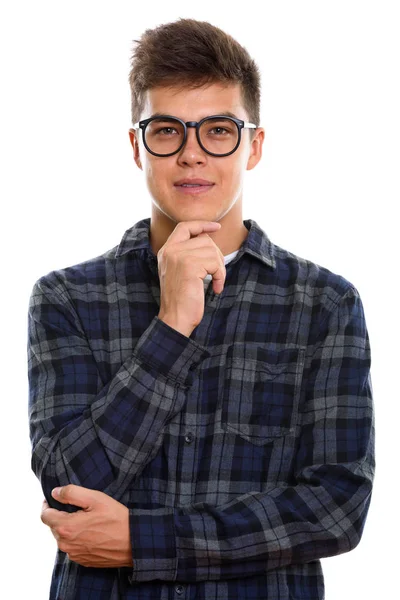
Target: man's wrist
(183,329)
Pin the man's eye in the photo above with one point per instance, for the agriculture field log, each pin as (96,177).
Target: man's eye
(167,131)
(219,130)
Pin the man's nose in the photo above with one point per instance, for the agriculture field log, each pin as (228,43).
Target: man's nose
(192,151)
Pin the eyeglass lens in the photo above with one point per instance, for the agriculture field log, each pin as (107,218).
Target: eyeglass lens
(164,136)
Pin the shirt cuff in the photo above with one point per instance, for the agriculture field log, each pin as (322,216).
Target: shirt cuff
(170,352)
(153,545)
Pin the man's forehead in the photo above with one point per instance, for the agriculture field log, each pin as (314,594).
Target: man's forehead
(215,97)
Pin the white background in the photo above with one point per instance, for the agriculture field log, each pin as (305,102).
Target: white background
(327,189)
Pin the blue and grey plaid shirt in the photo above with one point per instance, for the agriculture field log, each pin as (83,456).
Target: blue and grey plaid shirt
(245,453)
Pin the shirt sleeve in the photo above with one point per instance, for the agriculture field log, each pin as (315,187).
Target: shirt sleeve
(96,434)
(321,514)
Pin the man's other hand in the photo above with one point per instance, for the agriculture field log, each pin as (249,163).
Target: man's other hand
(96,536)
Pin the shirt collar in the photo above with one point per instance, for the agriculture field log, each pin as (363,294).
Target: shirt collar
(257,242)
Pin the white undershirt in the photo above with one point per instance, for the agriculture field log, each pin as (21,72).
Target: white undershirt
(227,259)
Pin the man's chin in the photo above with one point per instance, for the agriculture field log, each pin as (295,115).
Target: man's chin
(190,215)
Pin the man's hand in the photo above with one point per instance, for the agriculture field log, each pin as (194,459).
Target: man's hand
(98,535)
(187,256)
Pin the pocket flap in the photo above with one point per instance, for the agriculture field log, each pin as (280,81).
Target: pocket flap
(268,360)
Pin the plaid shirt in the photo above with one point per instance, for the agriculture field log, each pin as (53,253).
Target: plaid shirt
(245,453)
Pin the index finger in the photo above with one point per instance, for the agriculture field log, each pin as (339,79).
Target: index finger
(187,229)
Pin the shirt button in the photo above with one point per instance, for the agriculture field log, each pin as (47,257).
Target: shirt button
(179,589)
(189,438)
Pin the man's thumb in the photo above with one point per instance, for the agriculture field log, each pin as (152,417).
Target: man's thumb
(74,494)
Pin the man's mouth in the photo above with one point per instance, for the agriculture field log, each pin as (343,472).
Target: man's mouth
(193,182)
(194,188)
(195,185)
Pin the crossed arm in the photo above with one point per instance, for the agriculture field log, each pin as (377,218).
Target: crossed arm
(327,505)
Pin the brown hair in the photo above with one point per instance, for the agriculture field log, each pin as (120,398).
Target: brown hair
(191,53)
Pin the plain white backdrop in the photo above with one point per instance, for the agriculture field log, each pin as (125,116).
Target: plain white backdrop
(327,188)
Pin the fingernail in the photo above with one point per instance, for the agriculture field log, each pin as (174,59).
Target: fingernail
(56,492)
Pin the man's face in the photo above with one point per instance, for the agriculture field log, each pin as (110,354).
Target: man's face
(226,174)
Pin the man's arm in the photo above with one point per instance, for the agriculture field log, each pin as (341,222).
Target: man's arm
(322,514)
(93,433)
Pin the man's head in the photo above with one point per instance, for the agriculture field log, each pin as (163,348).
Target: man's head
(191,70)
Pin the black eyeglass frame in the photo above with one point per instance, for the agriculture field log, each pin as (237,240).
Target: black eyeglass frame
(197,124)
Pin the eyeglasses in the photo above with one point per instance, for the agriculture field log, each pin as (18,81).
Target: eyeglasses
(218,135)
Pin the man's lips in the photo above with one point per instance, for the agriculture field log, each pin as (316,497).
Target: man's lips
(191,182)
(193,186)
(194,189)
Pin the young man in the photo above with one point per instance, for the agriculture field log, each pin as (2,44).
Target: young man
(206,392)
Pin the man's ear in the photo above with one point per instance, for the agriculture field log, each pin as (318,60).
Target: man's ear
(135,145)
(256,149)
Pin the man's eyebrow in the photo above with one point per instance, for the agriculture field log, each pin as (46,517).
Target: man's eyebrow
(226,113)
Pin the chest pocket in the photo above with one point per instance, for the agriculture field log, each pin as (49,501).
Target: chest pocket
(261,391)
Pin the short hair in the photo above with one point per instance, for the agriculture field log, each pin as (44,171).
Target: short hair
(191,53)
